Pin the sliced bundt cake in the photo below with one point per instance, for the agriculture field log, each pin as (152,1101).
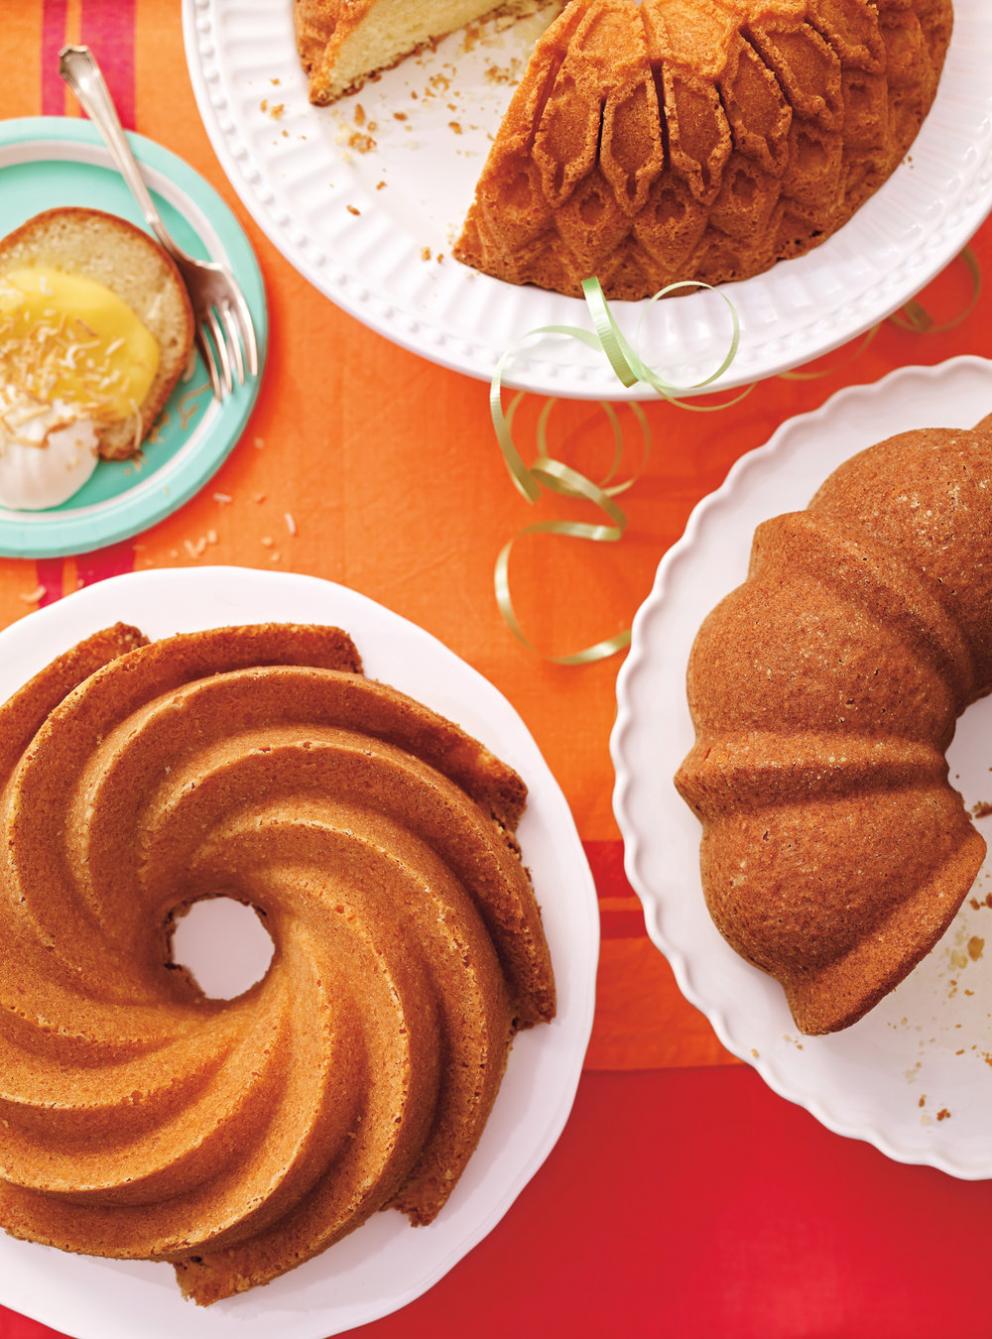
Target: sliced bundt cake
(653,141)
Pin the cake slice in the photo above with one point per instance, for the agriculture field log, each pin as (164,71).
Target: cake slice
(343,43)
(89,295)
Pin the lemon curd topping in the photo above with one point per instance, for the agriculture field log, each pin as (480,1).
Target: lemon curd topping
(64,337)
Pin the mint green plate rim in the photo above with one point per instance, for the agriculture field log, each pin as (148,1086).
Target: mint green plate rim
(59,534)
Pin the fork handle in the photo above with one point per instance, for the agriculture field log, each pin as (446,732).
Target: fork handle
(81,71)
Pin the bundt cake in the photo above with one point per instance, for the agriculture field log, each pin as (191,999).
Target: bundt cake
(825,693)
(238,1139)
(654,141)
(699,140)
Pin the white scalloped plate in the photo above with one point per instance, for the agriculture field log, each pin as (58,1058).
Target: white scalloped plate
(299,179)
(386,1263)
(930,1039)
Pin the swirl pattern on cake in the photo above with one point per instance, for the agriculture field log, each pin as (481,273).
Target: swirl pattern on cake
(238,1139)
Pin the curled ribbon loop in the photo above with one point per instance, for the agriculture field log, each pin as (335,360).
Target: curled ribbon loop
(551,475)
(547,474)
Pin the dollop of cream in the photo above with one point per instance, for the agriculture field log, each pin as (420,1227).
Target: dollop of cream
(47,451)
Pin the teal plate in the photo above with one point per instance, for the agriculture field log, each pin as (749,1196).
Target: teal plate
(52,161)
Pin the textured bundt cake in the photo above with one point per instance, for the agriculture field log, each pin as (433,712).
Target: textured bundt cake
(699,140)
(654,141)
(825,693)
(237,1140)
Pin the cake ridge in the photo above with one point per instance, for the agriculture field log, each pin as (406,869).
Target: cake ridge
(237,1139)
(835,849)
(818,179)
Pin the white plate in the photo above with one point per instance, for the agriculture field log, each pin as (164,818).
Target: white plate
(386,1263)
(298,178)
(866,1082)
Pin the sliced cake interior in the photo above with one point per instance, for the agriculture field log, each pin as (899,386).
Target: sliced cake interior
(344,42)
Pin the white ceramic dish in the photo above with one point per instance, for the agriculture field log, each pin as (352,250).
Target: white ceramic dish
(930,1039)
(386,1263)
(299,178)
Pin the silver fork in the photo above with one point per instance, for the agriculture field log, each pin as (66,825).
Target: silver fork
(225,334)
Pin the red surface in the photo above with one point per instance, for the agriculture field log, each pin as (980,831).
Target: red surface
(697,1205)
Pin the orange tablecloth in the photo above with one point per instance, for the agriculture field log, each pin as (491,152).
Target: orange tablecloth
(414,515)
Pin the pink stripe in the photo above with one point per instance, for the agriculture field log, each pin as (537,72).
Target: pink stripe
(108,28)
(103,563)
(53,21)
(52,40)
(49,572)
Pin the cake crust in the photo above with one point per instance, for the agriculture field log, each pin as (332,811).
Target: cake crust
(699,139)
(825,693)
(376,839)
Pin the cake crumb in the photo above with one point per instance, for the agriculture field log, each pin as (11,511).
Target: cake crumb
(943,1114)
(426,253)
(352,210)
(982,810)
(976,947)
(923,1100)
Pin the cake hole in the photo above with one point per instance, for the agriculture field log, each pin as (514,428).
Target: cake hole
(224,944)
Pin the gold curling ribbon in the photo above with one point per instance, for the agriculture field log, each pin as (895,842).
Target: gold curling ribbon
(549,474)
(915,317)
(552,475)
(803,375)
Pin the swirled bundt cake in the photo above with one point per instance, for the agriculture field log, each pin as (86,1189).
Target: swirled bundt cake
(654,141)
(238,1139)
(825,692)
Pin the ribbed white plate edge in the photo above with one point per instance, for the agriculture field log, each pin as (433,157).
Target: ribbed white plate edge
(385,1264)
(864,1083)
(370,263)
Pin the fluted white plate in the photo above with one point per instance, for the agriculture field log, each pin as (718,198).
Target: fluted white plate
(930,1039)
(300,179)
(386,1263)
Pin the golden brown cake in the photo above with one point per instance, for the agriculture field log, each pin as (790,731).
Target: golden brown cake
(699,139)
(825,693)
(238,1139)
